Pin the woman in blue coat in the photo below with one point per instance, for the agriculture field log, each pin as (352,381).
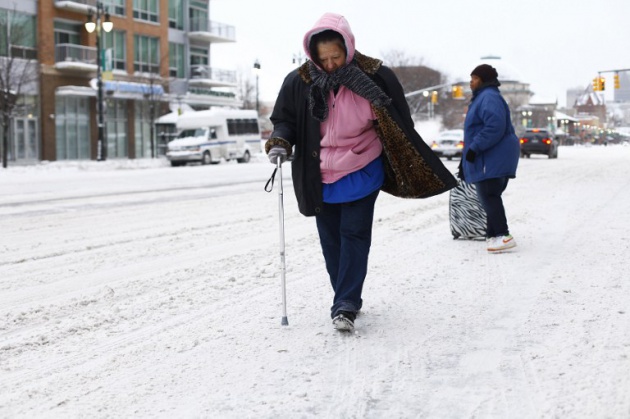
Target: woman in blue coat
(491,152)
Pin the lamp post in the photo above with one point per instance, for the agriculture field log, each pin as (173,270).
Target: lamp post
(527,119)
(102,22)
(257,71)
(551,122)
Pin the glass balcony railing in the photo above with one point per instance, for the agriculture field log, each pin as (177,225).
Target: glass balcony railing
(75,53)
(86,5)
(83,3)
(206,72)
(217,29)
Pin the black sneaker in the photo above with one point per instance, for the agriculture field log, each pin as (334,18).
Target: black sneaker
(344,321)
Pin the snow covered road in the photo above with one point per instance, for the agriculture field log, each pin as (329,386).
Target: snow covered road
(134,289)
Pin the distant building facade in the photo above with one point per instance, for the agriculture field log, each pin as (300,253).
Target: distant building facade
(157,54)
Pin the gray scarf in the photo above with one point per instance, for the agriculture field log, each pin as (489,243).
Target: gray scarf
(350,76)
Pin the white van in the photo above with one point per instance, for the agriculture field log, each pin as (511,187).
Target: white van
(211,135)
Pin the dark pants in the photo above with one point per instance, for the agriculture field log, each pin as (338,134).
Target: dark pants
(345,233)
(489,192)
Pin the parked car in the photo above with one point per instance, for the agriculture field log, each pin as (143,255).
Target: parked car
(538,141)
(449,143)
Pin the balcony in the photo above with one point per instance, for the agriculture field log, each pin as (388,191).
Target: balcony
(211,32)
(74,57)
(206,76)
(79,6)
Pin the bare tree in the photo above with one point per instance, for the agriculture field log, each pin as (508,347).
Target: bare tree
(18,71)
(153,91)
(398,58)
(414,76)
(247,91)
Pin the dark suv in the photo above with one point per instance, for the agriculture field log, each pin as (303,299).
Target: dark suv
(538,141)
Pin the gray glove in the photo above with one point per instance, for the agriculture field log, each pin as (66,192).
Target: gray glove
(277,152)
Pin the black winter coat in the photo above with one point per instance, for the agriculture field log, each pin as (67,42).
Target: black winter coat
(412,170)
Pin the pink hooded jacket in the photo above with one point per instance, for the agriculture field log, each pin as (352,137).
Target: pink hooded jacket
(349,140)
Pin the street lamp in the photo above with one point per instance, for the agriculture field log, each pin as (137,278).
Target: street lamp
(429,104)
(551,122)
(527,118)
(257,71)
(102,21)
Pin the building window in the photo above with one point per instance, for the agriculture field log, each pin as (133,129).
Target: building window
(116,128)
(199,56)
(148,10)
(67,33)
(198,14)
(146,54)
(116,41)
(199,63)
(72,128)
(176,60)
(176,14)
(115,7)
(17,35)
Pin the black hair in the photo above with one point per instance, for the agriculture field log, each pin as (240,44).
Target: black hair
(325,36)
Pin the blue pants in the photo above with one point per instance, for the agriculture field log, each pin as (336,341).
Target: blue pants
(489,192)
(345,233)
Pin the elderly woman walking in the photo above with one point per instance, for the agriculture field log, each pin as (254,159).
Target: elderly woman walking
(344,118)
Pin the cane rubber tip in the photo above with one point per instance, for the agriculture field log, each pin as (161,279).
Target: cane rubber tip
(285,321)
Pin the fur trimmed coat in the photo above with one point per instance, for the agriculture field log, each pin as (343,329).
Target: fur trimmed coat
(412,170)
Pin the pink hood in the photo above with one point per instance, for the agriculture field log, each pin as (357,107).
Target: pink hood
(336,23)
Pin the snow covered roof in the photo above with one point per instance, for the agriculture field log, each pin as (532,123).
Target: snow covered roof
(594,97)
(169,118)
(559,116)
(541,100)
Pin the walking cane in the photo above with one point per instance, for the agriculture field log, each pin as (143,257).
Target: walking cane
(283,281)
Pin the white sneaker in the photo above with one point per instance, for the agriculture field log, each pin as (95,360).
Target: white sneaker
(343,323)
(501,243)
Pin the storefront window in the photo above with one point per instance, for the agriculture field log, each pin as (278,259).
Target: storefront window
(72,128)
(116,128)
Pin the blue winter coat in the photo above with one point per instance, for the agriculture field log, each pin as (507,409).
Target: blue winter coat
(488,131)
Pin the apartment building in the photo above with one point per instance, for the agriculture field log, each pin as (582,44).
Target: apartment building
(19,80)
(156,57)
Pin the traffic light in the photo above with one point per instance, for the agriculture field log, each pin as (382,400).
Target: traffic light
(602,84)
(458,92)
(617,84)
(434,97)
(596,86)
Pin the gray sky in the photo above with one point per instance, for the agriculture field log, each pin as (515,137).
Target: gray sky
(553,44)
